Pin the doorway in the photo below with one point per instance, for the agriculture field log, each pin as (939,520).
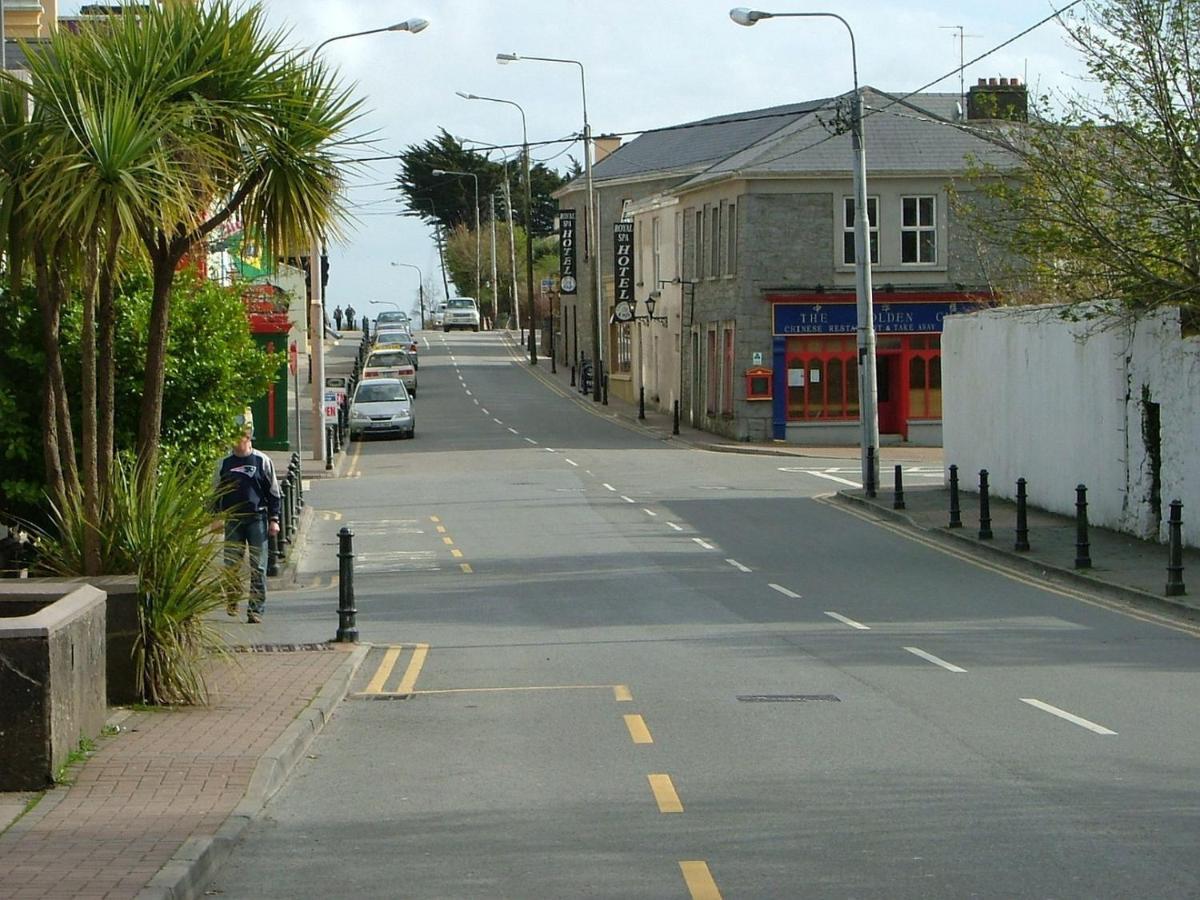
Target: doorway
(889,377)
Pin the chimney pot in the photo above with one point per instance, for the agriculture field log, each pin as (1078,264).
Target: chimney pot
(982,82)
(1003,82)
(992,82)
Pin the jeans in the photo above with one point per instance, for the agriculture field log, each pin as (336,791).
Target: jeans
(253,533)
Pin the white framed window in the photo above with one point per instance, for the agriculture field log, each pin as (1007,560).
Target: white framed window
(918,229)
(698,243)
(718,214)
(656,250)
(731,239)
(848,257)
(678,242)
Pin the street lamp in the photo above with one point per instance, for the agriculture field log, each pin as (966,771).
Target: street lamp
(528,220)
(316,314)
(867,390)
(593,212)
(420,287)
(475,178)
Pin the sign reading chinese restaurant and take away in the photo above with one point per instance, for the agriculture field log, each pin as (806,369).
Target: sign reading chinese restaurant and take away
(566,251)
(842,318)
(623,263)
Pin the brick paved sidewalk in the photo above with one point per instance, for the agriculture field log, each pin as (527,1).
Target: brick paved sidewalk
(168,777)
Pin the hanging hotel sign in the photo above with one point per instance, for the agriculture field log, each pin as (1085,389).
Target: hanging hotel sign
(566,251)
(623,263)
(842,318)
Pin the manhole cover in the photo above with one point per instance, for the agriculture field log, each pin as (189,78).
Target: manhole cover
(787,698)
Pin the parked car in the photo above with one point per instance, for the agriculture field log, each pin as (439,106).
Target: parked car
(392,317)
(382,406)
(394,337)
(438,317)
(393,362)
(461,312)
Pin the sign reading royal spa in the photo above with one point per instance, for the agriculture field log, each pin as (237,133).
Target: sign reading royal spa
(566,251)
(623,262)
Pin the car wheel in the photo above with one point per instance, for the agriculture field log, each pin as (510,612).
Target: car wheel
(474,327)
(411,434)
(354,436)
(446,328)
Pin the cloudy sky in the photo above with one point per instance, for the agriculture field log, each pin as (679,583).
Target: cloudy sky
(649,63)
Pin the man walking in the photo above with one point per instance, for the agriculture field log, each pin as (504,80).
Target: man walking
(337,317)
(349,317)
(249,492)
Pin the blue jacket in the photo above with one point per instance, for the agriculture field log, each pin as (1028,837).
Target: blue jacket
(247,486)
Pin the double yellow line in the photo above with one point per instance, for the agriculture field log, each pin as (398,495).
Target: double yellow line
(376,687)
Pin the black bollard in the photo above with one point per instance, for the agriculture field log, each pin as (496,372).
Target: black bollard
(1083,549)
(605,384)
(1175,587)
(285,522)
(1022,542)
(272,555)
(870,485)
(642,402)
(675,415)
(281,542)
(328,448)
(347,631)
(955,511)
(572,376)
(337,438)
(898,489)
(985,507)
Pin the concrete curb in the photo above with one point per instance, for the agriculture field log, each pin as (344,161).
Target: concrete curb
(196,862)
(1051,574)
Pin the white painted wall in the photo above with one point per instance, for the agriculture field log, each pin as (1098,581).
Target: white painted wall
(1028,394)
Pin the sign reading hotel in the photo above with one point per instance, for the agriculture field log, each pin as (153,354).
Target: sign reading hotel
(623,262)
(842,318)
(566,251)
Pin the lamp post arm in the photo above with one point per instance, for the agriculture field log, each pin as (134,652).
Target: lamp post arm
(340,37)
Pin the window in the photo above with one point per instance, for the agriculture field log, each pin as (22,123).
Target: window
(848,257)
(710,400)
(727,372)
(925,377)
(718,213)
(918,230)
(622,342)
(639,249)
(656,251)
(678,270)
(731,239)
(698,246)
(822,378)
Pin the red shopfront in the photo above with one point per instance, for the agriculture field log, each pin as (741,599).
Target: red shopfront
(815,363)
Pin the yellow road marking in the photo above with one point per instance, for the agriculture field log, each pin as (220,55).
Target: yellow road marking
(414,669)
(621,693)
(441,529)
(352,471)
(699,880)
(466,567)
(385,669)
(638,730)
(1012,574)
(434,519)
(664,794)
(449,542)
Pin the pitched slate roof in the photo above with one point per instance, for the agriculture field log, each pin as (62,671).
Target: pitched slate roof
(694,146)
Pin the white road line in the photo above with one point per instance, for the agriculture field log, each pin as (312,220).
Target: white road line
(485,412)
(649,512)
(859,625)
(784,591)
(513,430)
(572,462)
(549,449)
(476,401)
(737,565)
(530,441)
(1063,714)
(628,499)
(835,478)
(497,421)
(673,525)
(609,486)
(703,543)
(468,393)
(937,661)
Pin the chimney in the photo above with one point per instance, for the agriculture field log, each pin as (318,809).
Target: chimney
(606,144)
(1003,98)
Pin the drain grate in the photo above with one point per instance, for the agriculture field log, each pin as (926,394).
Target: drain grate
(788,698)
(280,648)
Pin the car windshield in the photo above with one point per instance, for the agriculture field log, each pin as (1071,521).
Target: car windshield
(380,393)
(462,304)
(395,337)
(391,358)
(392,316)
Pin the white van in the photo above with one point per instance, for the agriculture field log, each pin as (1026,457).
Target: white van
(461,312)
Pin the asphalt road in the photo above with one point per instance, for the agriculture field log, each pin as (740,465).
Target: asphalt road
(624,668)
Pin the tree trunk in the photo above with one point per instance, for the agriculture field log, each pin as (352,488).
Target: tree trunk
(163,262)
(66,435)
(106,386)
(50,429)
(87,406)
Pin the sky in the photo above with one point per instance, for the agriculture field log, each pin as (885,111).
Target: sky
(648,64)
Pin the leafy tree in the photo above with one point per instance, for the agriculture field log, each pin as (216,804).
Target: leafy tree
(1106,207)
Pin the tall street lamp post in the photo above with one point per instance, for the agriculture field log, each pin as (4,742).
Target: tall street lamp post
(420,287)
(316,313)
(867,387)
(478,246)
(528,220)
(593,213)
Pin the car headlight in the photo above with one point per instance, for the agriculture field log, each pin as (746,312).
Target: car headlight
(402,416)
(356,416)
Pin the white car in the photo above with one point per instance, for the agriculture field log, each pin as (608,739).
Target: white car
(461,312)
(392,363)
(438,316)
(382,406)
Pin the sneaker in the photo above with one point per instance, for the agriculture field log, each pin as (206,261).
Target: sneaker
(253,618)
(231,608)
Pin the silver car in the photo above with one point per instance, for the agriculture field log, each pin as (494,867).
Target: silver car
(382,406)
